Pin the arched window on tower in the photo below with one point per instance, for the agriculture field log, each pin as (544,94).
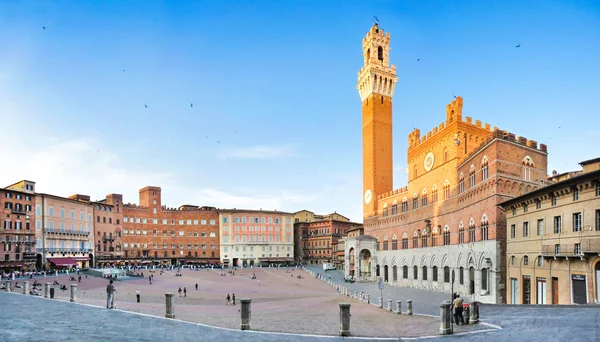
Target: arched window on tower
(394,208)
(380,53)
(484,168)
(446,189)
(368,54)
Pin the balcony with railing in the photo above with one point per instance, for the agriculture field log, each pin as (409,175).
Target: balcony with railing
(67,233)
(574,248)
(66,250)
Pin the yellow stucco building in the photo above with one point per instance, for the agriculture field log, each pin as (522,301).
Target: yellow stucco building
(553,241)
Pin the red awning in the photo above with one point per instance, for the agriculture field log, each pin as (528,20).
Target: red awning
(62,261)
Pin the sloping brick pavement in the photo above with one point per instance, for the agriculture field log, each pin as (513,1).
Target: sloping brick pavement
(281,303)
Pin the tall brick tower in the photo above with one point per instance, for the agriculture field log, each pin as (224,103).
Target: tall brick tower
(376,82)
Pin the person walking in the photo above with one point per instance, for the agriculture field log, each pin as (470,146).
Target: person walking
(179,292)
(196,286)
(228,300)
(233,299)
(150,279)
(110,290)
(184,292)
(458,308)
(137,295)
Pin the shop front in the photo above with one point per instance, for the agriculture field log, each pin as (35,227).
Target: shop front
(61,263)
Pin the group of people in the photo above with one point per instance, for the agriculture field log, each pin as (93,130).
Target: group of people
(230,300)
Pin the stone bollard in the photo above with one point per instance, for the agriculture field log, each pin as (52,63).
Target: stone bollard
(47,290)
(445,317)
(389,305)
(170,310)
(409,307)
(381,302)
(73,293)
(474,312)
(8,285)
(246,312)
(399,307)
(344,319)
(368,298)
(25,287)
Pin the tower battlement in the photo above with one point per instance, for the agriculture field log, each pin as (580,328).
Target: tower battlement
(395,192)
(508,136)
(453,116)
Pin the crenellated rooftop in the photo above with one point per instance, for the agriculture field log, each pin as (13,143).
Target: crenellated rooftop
(393,193)
(504,135)
(453,115)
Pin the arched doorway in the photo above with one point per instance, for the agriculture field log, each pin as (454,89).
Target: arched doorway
(471,280)
(385,273)
(597,269)
(377,271)
(395,273)
(351,262)
(364,263)
(91,265)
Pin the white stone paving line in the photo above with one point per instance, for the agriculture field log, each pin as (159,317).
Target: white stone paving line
(495,327)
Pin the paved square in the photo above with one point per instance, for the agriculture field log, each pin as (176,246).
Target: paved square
(280,302)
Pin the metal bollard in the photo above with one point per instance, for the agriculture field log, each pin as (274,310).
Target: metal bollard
(73,293)
(26,287)
(246,313)
(170,310)
(399,307)
(445,317)
(368,298)
(47,290)
(344,319)
(8,285)
(474,312)
(389,305)
(409,307)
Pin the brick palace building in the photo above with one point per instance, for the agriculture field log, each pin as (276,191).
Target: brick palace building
(17,230)
(156,234)
(446,219)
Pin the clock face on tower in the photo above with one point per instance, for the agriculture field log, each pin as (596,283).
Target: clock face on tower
(368,196)
(428,162)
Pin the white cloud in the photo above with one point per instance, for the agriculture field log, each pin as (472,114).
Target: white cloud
(65,166)
(221,199)
(258,152)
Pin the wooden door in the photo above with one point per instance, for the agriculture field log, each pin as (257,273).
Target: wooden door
(554,290)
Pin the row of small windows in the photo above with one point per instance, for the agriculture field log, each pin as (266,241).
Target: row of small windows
(553,201)
(18,207)
(133,245)
(180,233)
(16,196)
(252,219)
(38,212)
(424,199)
(435,274)
(577,221)
(432,240)
(165,221)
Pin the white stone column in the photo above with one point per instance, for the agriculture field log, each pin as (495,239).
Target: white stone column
(344,319)
(474,312)
(389,308)
(368,298)
(170,310)
(445,317)
(246,313)
(8,284)
(26,287)
(409,310)
(399,307)
(47,290)
(73,293)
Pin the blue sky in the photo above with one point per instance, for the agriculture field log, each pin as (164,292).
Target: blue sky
(276,121)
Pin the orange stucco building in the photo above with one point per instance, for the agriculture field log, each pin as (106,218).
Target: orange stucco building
(446,219)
